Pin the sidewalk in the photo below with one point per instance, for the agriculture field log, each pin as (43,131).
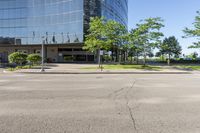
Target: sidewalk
(78,69)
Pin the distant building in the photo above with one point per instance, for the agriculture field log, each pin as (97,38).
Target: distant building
(62,24)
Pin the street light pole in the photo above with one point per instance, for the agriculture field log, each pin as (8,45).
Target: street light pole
(42,52)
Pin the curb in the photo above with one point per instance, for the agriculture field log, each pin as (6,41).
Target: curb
(79,73)
(8,72)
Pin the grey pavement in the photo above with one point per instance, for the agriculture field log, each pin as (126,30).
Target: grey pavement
(1,70)
(99,103)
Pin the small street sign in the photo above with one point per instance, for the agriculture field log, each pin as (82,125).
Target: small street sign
(101,52)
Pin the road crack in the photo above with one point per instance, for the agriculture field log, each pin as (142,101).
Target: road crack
(131,114)
(117,92)
(124,93)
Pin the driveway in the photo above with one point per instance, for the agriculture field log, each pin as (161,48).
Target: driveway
(99,103)
(68,67)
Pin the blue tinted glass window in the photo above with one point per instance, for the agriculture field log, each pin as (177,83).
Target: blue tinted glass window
(30,20)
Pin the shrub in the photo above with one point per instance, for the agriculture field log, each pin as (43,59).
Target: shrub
(34,58)
(17,58)
(68,58)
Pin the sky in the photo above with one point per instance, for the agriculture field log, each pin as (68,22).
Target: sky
(176,14)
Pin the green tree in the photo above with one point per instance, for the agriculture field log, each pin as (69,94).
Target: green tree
(151,54)
(34,58)
(193,55)
(105,35)
(147,35)
(160,55)
(170,47)
(116,35)
(95,39)
(133,46)
(17,57)
(195,32)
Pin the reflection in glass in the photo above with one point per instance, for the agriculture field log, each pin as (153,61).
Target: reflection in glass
(30,20)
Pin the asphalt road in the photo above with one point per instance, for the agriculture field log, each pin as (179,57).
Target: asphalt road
(99,103)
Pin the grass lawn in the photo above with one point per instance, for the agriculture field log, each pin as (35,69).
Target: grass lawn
(117,67)
(191,67)
(23,67)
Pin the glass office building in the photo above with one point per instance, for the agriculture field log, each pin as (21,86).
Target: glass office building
(61,23)
(29,21)
(116,10)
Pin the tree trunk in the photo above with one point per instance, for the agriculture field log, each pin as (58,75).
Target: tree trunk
(131,58)
(112,56)
(126,56)
(99,58)
(145,56)
(168,61)
(162,57)
(137,60)
(117,55)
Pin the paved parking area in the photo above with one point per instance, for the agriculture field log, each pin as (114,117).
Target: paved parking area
(99,103)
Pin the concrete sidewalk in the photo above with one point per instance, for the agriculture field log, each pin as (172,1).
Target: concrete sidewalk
(79,69)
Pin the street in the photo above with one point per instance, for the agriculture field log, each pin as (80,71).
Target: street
(142,103)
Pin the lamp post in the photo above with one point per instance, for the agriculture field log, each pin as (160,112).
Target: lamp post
(42,52)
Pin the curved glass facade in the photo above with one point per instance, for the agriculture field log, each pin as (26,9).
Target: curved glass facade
(115,10)
(61,24)
(55,21)
(32,21)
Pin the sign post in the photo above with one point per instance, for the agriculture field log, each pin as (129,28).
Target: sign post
(101,59)
(42,52)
